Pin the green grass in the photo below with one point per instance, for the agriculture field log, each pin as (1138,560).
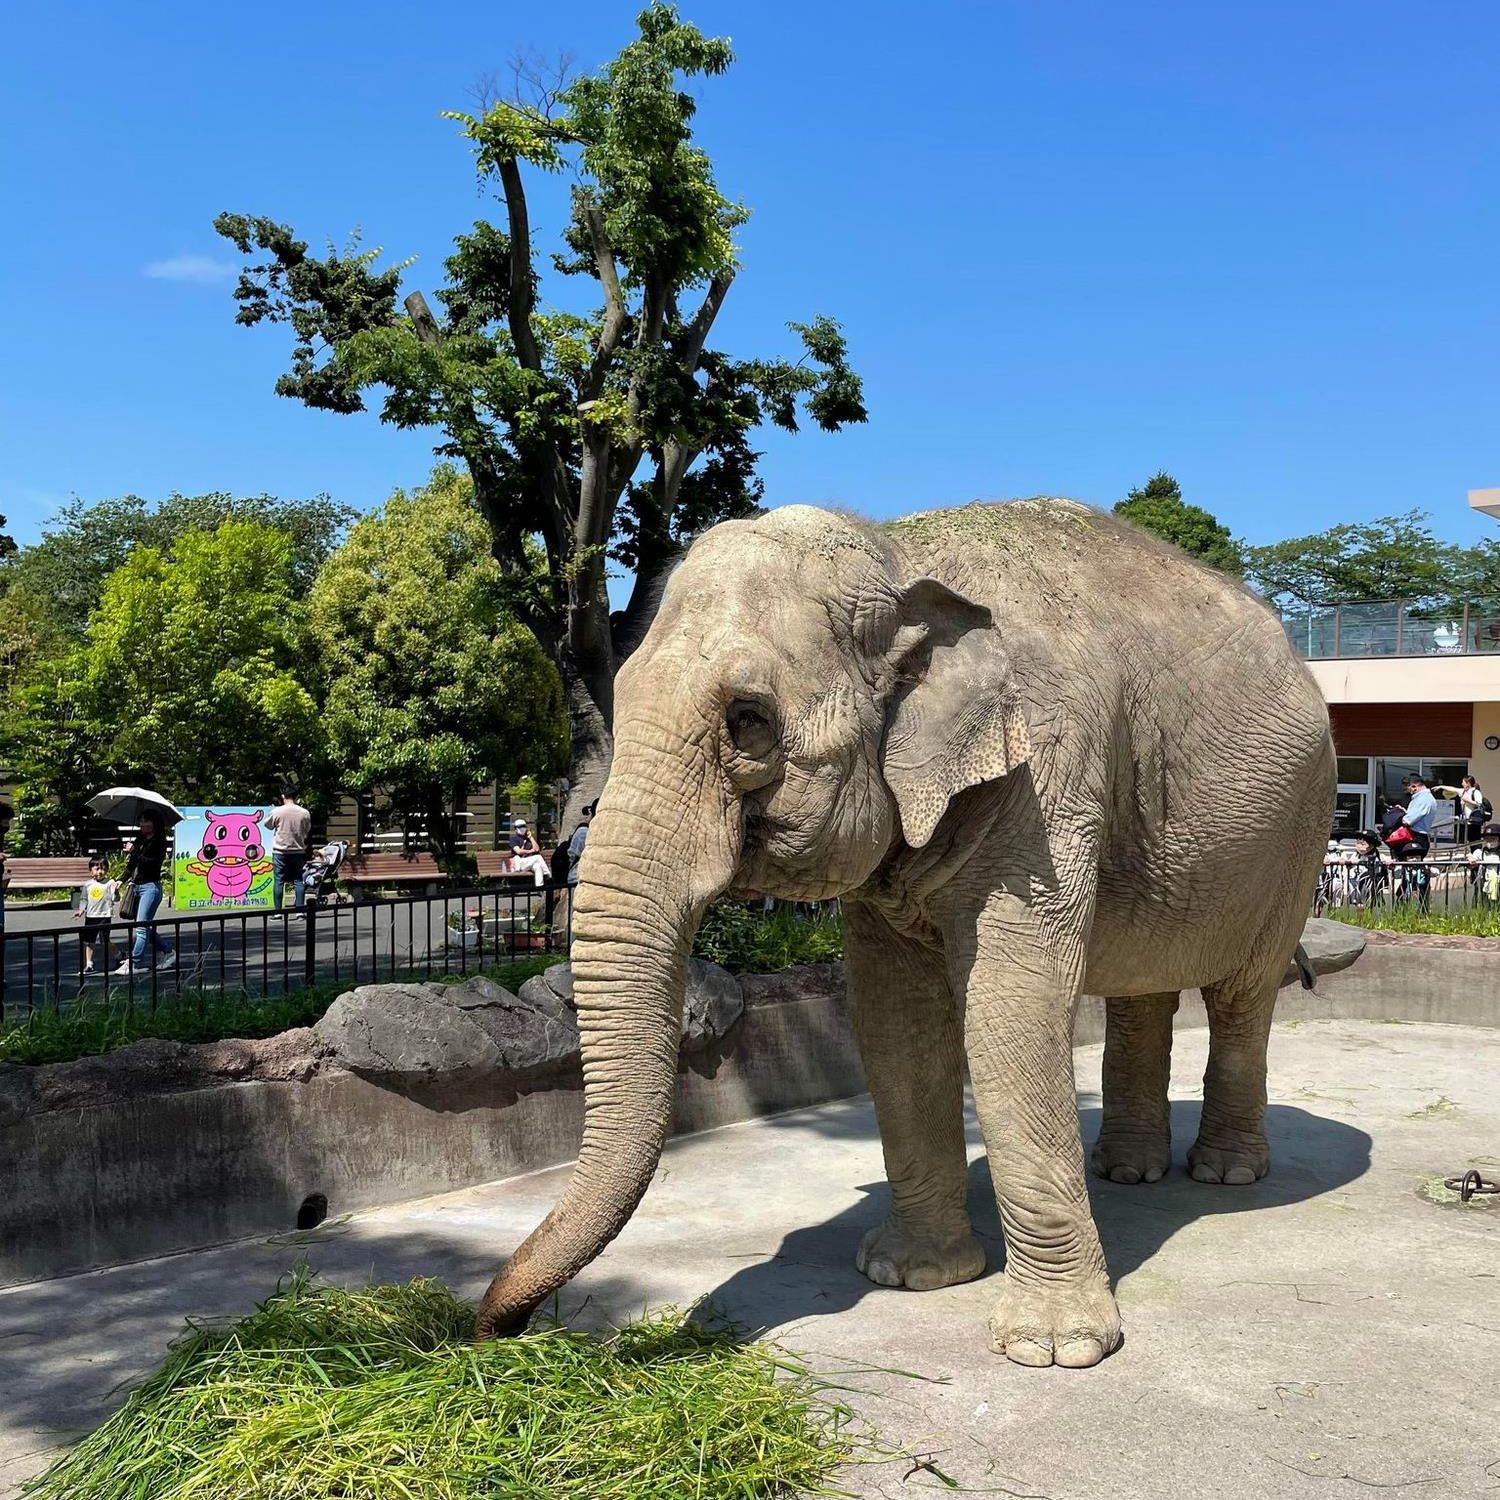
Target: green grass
(746,941)
(1407,916)
(94,1026)
(380,1394)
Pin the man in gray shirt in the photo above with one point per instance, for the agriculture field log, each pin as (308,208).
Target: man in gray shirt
(292,825)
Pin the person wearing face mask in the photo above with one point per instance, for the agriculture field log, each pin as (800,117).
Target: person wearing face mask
(1484,861)
(526,853)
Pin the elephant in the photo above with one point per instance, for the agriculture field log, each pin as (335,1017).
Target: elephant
(1037,754)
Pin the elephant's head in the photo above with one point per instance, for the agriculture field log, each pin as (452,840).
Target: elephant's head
(797,708)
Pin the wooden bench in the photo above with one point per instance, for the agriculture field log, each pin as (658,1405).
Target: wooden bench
(33,874)
(390,869)
(496,864)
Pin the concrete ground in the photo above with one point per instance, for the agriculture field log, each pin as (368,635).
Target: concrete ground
(1324,1333)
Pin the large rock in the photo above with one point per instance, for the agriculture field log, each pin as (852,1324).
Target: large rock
(714,1004)
(418,1031)
(412,1032)
(1329,946)
(155,1065)
(714,999)
(15,1092)
(532,1032)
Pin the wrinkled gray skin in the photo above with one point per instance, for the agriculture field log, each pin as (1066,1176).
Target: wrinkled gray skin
(1039,755)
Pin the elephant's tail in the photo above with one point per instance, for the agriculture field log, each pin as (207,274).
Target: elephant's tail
(1305,969)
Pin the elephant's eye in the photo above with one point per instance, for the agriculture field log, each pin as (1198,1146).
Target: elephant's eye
(751,729)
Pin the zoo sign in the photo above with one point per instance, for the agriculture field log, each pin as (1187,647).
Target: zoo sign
(222,859)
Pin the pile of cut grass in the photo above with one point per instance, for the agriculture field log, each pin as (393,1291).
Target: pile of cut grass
(380,1394)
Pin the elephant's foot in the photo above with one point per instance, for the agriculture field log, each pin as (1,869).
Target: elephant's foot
(895,1254)
(1123,1157)
(1235,1159)
(1074,1324)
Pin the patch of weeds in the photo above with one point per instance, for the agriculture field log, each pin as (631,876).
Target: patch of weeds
(1436,1190)
(381,1393)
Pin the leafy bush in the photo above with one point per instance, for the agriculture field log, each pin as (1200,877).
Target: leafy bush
(747,941)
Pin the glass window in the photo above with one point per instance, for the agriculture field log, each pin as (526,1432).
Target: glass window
(1354,770)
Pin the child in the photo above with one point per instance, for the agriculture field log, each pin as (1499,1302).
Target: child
(1486,862)
(96,902)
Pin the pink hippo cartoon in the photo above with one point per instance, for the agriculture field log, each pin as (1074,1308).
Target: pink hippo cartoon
(232,855)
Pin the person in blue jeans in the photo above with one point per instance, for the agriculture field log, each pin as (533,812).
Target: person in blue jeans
(144,868)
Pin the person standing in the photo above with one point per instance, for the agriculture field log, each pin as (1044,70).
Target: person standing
(292,825)
(96,901)
(577,842)
(143,866)
(1421,808)
(1471,811)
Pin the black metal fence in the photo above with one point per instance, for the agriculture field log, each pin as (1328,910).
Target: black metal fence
(187,956)
(1448,882)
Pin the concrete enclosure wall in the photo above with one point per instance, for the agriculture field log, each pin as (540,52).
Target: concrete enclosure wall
(162,1172)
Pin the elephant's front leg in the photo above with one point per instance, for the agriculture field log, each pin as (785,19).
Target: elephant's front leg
(911,1046)
(1055,1306)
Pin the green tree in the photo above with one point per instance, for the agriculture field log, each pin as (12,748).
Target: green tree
(611,429)
(84,543)
(1158,507)
(432,687)
(192,676)
(1391,557)
(7,542)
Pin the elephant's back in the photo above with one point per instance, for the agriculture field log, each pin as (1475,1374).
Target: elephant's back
(1176,705)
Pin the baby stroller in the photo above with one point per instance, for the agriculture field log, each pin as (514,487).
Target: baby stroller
(320,878)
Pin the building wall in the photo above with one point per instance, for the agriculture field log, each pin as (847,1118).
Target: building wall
(1485,764)
(1409,679)
(1425,729)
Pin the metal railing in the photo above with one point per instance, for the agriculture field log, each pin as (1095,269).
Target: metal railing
(263,953)
(1392,628)
(1447,882)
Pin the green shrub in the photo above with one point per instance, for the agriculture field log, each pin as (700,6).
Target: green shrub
(746,941)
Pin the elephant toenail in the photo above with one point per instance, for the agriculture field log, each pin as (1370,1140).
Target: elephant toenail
(1079,1354)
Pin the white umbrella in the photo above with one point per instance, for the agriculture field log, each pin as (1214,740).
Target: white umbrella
(125,804)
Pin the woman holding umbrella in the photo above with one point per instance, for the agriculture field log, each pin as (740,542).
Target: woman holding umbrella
(144,867)
(153,815)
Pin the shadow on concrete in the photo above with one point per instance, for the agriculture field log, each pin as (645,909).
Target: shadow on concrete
(813,1270)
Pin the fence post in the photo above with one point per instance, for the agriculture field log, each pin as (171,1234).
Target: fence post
(310,949)
(549,907)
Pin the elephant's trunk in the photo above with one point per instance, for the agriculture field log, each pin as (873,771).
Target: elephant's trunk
(639,901)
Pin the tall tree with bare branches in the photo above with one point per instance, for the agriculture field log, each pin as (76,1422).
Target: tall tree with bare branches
(613,430)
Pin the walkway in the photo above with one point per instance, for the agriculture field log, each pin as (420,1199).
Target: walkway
(1324,1332)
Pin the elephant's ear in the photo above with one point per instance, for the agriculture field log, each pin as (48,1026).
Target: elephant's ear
(955,716)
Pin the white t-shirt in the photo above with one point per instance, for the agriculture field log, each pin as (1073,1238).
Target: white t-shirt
(97,898)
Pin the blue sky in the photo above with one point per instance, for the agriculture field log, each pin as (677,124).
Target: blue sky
(1070,243)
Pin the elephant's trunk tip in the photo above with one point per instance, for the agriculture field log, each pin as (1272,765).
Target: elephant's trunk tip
(1305,970)
(500,1316)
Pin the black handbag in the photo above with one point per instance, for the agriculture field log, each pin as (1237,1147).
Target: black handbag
(130,900)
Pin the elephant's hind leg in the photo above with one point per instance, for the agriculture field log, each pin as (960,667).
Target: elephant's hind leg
(1135,1140)
(911,1045)
(1231,1146)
